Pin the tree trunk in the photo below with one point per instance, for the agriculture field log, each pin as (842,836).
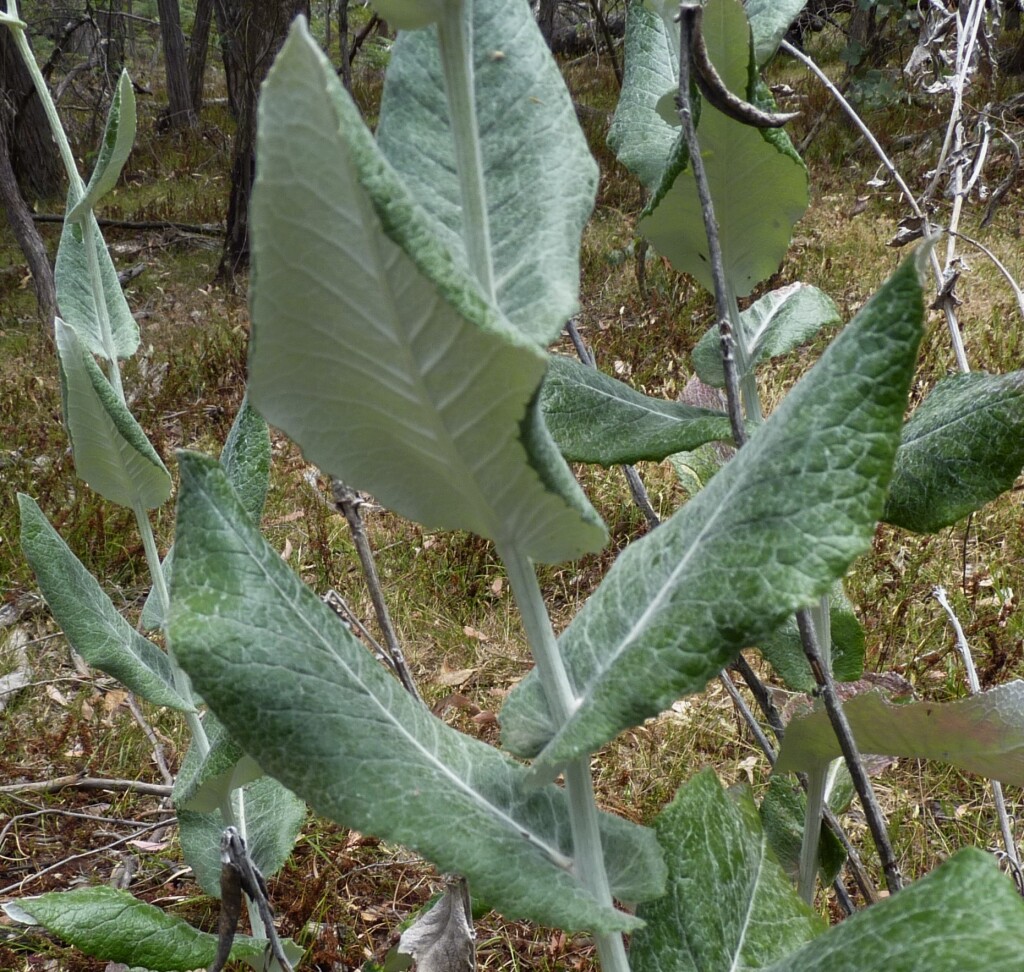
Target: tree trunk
(862,36)
(346,53)
(227,13)
(179,112)
(25,232)
(256,29)
(546,19)
(112,23)
(197,47)
(33,153)
(129,27)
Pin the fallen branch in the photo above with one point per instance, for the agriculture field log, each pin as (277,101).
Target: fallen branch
(200,229)
(135,835)
(77,782)
(57,811)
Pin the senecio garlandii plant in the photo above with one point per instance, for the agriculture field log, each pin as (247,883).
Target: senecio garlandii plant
(406,286)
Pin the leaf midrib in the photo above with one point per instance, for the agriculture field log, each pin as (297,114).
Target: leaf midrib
(735,965)
(431,759)
(642,406)
(974,405)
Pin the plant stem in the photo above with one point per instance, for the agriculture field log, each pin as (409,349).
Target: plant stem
(771,714)
(39,82)
(347,501)
(821,615)
(817,780)
(748,717)
(539,633)
(181,681)
(725,304)
(455,42)
(822,674)
(808,868)
(455,33)
(88,227)
(232,812)
(974,687)
(588,854)
(87,222)
(854,762)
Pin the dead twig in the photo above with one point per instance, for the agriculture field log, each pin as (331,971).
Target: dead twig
(64,862)
(348,502)
(158,749)
(199,229)
(851,752)
(974,687)
(58,811)
(77,782)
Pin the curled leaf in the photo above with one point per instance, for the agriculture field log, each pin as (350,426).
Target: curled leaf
(442,940)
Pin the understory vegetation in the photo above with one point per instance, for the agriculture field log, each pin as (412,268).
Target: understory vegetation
(345,896)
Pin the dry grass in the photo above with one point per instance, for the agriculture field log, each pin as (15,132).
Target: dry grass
(343,894)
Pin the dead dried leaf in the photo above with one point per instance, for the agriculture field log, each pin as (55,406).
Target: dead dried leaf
(21,674)
(442,940)
(113,700)
(457,678)
(152,846)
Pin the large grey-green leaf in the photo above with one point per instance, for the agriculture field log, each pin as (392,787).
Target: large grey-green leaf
(595,418)
(983,734)
(641,139)
(372,347)
(246,460)
(112,453)
(769,21)
(729,906)
(757,182)
(785,651)
(962,447)
(118,139)
(776,323)
(116,926)
(274,816)
(311,705)
(770,533)
(963,917)
(91,623)
(539,176)
(75,297)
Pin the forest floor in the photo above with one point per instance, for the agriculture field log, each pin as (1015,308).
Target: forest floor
(344,895)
